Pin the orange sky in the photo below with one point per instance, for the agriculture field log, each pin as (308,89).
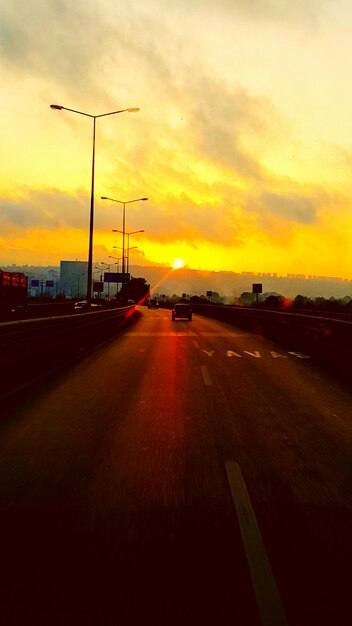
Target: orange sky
(242,144)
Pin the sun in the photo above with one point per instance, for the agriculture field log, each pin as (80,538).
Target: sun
(177,264)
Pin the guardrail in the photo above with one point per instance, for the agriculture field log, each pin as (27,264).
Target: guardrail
(32,310)
(328,340)
(31,348)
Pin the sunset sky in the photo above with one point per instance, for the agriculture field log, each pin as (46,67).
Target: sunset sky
(243,143)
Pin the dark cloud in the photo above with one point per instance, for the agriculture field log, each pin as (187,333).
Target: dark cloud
(47,209)
(219,118)
(22,215)
(290,207)
(86,50)
(65,43)
(180,220)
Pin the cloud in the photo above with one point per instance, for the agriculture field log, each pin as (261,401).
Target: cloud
(47,209)
(290,207)
(60,42)
(279,10)
(197,148)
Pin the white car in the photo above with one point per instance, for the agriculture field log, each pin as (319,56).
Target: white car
(81,306)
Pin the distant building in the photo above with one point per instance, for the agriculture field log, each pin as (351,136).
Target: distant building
(73,278)
(297,276)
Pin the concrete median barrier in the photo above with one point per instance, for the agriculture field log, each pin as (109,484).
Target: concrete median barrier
(32,348)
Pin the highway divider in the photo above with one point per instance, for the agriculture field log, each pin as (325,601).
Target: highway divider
(32,348)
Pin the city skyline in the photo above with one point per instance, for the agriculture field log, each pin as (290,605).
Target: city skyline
(242,144)
(193,282)
(258,273)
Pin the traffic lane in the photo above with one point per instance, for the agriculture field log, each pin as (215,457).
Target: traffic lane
(181,329)
(169,463)
(110,481)
(289,429)
(49,452)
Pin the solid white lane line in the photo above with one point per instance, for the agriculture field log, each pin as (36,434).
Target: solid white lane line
(206,375)
(268,600)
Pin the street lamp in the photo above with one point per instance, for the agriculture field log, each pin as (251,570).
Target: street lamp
(78,275)
(127,255)
(133,232)
(58,107)
(123,226)
(118,259)
(108,265)
(101,275)
(117,267)
(100,282)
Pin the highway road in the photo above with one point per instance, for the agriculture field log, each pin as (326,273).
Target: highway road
(184,473)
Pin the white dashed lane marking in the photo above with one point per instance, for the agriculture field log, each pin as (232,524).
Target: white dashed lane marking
(267,596)
(206,376)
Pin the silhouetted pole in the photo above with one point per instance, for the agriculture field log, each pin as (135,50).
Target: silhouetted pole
(91,220)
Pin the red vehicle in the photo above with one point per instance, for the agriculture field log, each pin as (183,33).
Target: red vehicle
(13,293)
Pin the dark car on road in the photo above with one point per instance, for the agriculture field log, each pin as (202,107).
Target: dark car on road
(182,311)
(153,304)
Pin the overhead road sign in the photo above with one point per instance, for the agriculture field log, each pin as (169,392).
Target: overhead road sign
(115,277)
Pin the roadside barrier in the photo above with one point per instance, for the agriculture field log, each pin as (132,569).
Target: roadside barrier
(328,340)
(31,348)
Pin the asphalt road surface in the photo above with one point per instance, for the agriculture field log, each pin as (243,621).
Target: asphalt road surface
(186,473)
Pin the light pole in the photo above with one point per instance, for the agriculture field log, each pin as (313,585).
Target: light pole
(117,268)
(58,107)
(133,232)
(78,275)
(108,265)
(118,259)
(123,226)
(101,277)
(127,255)
(100,282)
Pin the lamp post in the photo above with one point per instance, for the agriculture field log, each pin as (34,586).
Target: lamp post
(100,282)
(133,232)
(123,226)
(127,255)
(117,268)
(78,275)
(100,278)
(58,107)
(108,265)
(118,259)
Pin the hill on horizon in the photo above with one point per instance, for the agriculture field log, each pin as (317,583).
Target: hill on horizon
(230,285)
(227,284)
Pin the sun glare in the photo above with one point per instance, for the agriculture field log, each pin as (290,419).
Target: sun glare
(177,264)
